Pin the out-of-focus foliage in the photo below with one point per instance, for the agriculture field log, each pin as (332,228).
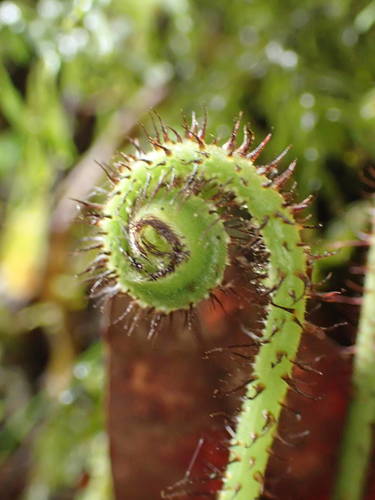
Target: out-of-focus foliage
(67,69)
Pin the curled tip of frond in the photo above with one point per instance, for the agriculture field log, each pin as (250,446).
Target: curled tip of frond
(213,188)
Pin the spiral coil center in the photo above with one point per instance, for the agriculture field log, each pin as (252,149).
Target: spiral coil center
(159,247)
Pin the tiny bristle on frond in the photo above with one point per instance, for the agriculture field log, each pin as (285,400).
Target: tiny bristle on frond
(193,131)
(248,139)
(156,130)
(135,143)
(163,127)
(151,140)
(271,167)
(203,129)
(253,155)
(178,136)
(159,145)
(298,207)
(284,177)
(230,145)
(194,123)
(111,176)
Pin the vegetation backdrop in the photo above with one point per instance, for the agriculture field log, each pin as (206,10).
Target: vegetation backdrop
(76,78)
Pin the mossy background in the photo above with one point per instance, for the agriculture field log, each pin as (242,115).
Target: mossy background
(76,78)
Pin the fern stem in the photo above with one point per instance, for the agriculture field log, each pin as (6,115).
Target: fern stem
(166,242)
(358,435)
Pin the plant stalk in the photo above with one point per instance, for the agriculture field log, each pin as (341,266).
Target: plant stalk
(358,434)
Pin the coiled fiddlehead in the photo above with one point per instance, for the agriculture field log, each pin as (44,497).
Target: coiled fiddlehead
(167,233)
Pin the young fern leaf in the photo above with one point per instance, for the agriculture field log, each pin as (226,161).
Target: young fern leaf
(166,239)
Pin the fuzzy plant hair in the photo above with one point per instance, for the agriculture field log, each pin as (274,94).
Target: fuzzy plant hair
(175,221)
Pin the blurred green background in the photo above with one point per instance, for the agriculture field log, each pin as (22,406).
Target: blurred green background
(76,78)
